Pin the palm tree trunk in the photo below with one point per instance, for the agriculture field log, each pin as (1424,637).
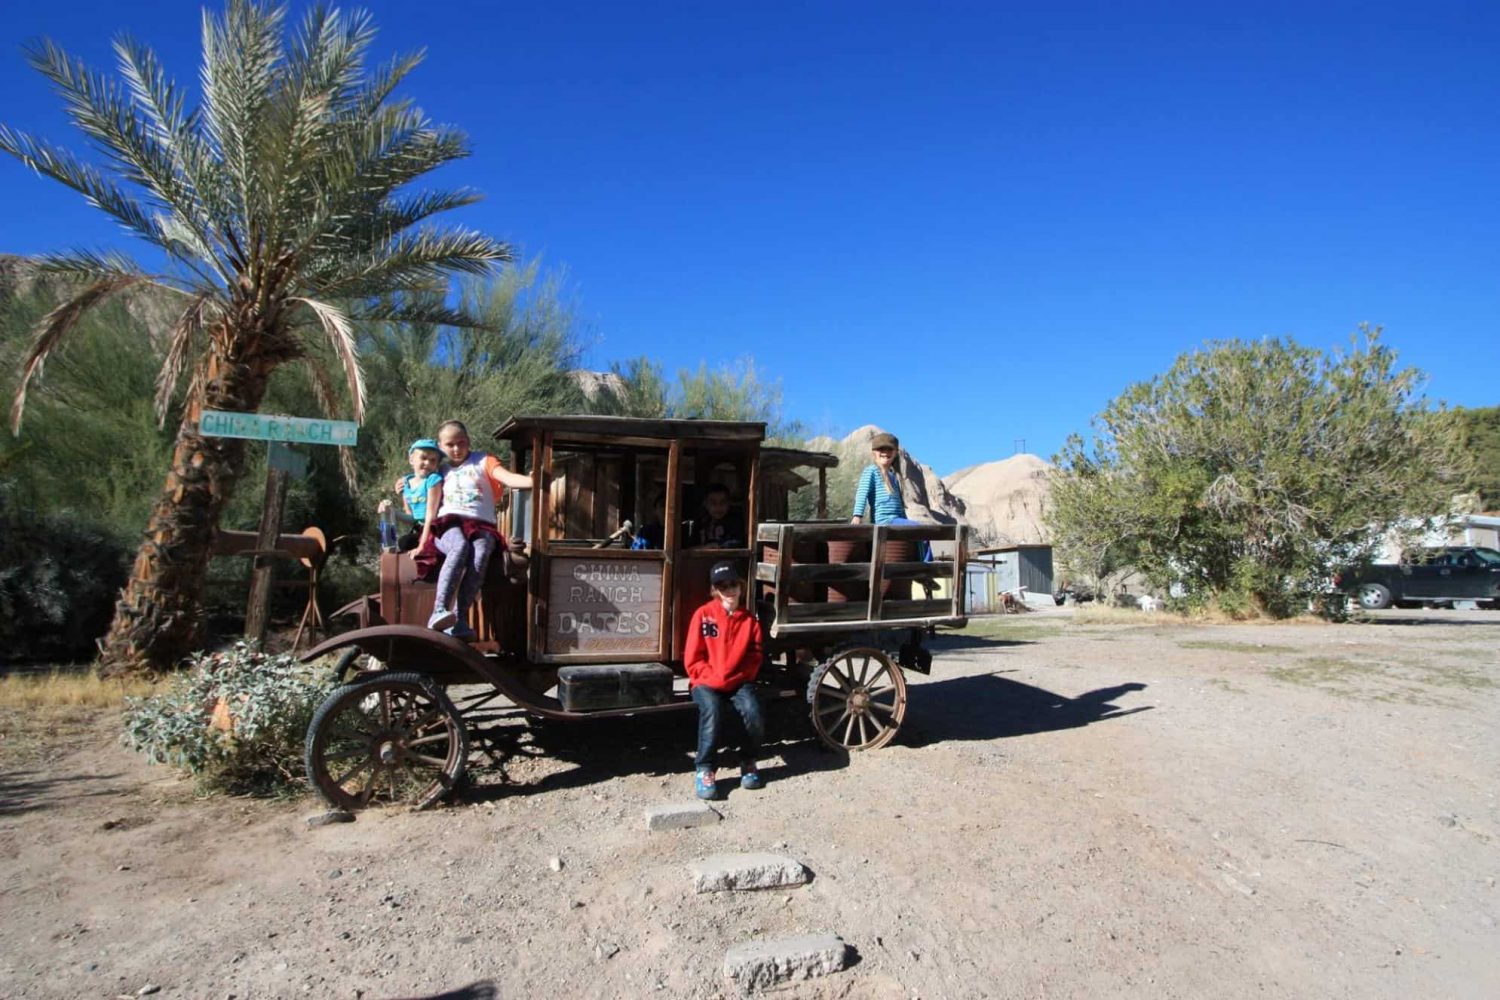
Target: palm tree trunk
(158,618)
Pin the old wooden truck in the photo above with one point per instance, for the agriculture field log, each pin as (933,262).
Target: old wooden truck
(573,624)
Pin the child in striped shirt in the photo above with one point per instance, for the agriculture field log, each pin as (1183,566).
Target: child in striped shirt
(879,489)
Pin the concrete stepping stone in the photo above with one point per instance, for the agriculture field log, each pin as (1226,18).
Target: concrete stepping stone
(759,965)
(747,871)
(680,816)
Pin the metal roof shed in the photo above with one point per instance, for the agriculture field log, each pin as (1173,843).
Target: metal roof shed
(1019,567)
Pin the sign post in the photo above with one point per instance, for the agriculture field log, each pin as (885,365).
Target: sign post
(282,464)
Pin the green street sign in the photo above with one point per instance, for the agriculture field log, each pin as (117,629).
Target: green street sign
(270,427)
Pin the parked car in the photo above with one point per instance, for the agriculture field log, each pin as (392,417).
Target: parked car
(1429,576)
(1073,594)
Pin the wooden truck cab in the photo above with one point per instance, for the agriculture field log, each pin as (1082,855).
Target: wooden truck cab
(593,599)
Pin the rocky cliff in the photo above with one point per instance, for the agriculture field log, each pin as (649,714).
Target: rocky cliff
(1001,501)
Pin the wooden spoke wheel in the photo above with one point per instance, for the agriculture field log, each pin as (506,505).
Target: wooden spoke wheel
(858,699)
(395,739)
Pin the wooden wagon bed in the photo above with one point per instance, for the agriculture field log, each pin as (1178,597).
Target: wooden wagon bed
(814,591)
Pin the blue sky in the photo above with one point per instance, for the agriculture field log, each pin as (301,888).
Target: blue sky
(970,223)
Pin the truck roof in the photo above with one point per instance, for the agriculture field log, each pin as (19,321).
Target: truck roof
(663,429)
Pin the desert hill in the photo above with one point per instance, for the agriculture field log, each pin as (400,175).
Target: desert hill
(1001,501)
(1004,500)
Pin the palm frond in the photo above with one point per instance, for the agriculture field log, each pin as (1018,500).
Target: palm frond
(327,398)
(382,83)
(241,57)
(168,166)
(422,310)
(360,164)
(84,265)
(332,47)
(419,261)
(63,167)
(397,215)
(325,59)
(180,339)
(54,327)
(341,336)
(195,191)
(162,104)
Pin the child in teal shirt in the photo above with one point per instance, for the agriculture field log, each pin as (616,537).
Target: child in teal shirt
(421,491)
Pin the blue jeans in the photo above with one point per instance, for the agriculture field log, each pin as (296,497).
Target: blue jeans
(710,708)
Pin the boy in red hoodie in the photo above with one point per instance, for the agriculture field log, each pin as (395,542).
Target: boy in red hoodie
(723,659)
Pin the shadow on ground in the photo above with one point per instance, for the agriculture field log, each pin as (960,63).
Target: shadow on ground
(21,792)
(662,745)
(1408,618)
(959,640)
(990,707)
(482,990)
(974,708)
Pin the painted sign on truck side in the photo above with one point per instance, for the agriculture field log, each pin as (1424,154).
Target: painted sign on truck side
(604,606)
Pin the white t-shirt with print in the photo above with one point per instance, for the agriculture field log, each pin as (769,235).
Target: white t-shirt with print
(469,490)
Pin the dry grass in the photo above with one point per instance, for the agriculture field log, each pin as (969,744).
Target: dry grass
(68,690)
(1412,681)
(48,711)
(1096,614)
(1014,627)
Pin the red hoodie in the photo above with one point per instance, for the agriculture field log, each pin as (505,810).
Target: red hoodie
(723,649)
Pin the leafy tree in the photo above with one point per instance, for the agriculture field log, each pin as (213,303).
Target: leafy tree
(1251,469)
(279,207)
(638,389)
(520,359)
(731,392)
(93,412)
(1480,431)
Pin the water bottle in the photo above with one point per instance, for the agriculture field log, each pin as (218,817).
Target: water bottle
(387,531)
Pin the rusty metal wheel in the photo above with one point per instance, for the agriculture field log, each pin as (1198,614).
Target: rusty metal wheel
(395,739)
(858,699)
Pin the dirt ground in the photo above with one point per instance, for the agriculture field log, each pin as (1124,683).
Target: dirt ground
(1070,811)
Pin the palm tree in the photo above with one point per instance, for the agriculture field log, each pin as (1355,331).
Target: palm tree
(280,213)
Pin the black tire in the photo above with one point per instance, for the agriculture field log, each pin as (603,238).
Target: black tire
(1373,596)
(384,726)
(351,663)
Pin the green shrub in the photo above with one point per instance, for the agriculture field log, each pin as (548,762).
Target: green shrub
(59,578)
(253,744)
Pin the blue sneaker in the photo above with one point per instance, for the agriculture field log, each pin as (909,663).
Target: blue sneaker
(705,783)
(441,619)
(750,778)
(462,632)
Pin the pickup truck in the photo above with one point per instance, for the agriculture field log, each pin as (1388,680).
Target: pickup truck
(1429,576)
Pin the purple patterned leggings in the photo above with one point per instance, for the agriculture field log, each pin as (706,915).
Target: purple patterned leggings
(464,563)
